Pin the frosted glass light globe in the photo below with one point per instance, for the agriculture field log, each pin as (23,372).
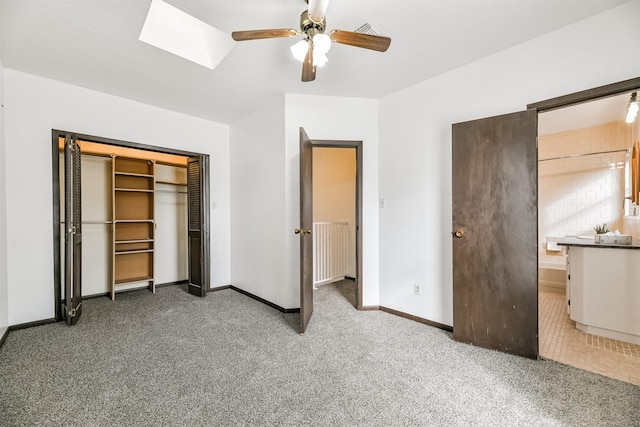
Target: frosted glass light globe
(299,50)
(321,42)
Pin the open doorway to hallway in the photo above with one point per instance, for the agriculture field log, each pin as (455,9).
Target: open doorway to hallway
(307,146)
(334,218)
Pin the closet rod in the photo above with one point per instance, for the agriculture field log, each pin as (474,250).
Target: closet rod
(103,156)
(92,222)
(573,156)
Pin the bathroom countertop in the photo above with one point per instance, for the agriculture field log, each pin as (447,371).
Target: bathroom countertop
(589,243)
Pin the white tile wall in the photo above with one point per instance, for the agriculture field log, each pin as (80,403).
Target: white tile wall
(632,226)
(576,194)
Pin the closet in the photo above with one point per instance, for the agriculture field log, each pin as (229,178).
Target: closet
(134,219)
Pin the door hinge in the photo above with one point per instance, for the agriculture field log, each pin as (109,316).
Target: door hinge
(72,312)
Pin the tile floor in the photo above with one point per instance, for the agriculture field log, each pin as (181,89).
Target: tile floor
(562,342)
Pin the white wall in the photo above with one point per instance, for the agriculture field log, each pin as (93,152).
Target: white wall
(258,203)
(33,107)
(4,307)
(334,180)
(415,142)
(338,118)
(265,190)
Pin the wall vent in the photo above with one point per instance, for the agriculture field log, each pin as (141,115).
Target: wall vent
(366,28)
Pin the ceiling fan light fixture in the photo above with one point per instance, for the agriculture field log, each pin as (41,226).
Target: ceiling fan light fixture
(322,43)
(313,48)
(299,50)
(632,109)
(319,59)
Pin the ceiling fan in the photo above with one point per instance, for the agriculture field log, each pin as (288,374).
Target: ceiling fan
(312,50)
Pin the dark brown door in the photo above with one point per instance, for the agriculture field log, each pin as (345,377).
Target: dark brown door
(495,219)
(198,224)
(306,225)
(73,231)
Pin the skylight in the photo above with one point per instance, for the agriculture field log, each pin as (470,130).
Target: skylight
(177,32)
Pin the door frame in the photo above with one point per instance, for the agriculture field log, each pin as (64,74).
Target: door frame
(358,146)
(55,171)
(576,98)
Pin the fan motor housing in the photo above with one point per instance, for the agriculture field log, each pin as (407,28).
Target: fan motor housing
(310,27)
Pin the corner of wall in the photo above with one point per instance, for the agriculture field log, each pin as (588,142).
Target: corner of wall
(415,141)
(257,158)
(4,307)
(338,118)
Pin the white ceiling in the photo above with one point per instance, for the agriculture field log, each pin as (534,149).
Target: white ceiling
(594,113)
(94,44)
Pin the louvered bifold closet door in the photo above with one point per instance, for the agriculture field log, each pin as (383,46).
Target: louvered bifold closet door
(73,230)
(198,223)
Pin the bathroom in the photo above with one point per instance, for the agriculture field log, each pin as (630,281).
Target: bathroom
(585,157)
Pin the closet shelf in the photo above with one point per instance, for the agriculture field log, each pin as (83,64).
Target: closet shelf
(141,175)
(136,251)
(118,242)
(159,181)
(129,280)
(132,220)
(135,190)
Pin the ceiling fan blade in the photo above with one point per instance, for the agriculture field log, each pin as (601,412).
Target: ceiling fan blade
(308,70)
(366,41)
(317,9)
(263,34)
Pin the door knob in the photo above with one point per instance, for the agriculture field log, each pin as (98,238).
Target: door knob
(458,233)
(302,231)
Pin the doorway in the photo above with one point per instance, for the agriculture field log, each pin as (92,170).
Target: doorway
(307,147)
(132,178)
(584,181)
(334,212)
(496,306)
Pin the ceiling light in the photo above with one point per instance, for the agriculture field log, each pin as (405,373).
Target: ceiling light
(632,109)
(322,43)
(299,50)
(319,58)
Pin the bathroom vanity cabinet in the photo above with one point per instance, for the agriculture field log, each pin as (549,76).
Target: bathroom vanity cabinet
(603,285)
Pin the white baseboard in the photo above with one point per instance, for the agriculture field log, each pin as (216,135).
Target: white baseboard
(555,287)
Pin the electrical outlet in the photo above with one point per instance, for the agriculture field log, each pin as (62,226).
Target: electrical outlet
(416,289)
